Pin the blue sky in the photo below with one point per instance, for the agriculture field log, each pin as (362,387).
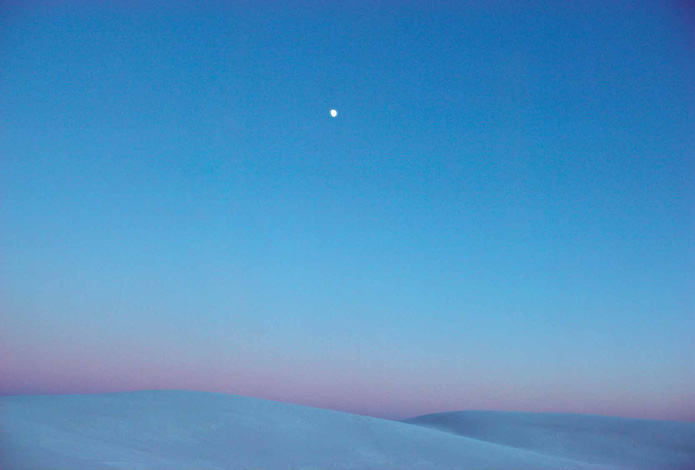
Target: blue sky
(500,217)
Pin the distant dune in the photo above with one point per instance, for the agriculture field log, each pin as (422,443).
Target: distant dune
(166,430)
(613,442)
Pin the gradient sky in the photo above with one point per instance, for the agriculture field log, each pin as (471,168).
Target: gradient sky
(502,216)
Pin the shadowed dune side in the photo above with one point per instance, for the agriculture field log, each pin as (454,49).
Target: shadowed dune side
(620,442)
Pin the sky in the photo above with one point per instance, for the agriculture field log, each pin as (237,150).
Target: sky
(501,216)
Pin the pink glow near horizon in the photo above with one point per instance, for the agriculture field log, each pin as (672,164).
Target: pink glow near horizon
(376,395)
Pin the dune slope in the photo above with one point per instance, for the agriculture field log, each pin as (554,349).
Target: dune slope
(618,442)
(194,430)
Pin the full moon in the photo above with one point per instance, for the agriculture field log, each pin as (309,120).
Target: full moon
(334,113)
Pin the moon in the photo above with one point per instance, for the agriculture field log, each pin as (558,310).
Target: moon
(334,113)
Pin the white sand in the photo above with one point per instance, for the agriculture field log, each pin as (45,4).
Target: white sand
(204,431)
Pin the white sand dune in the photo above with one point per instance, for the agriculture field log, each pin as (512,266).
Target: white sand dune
(194,430)
(616,442)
